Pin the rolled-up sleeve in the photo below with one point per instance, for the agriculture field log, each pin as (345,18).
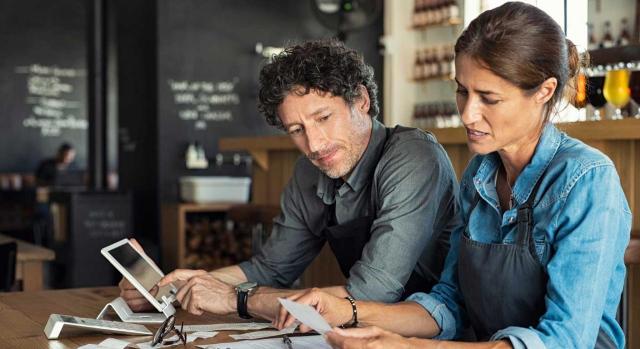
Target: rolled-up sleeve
(586,270)
(444,301)
(290,248)
(416,188)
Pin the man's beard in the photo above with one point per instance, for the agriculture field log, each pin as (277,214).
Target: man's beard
(351,156)
(344,167)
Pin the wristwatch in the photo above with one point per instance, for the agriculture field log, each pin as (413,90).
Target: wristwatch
(244,290)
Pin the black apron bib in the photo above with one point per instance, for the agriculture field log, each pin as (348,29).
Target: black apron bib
(505,285)
(347,240)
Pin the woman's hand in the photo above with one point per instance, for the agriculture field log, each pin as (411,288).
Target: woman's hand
(371,338)
(337,311)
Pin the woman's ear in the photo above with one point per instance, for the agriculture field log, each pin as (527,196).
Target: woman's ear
(546,90)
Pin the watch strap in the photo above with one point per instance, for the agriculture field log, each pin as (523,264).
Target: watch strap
(242,304)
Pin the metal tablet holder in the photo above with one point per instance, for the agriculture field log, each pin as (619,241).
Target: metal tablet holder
(125,313)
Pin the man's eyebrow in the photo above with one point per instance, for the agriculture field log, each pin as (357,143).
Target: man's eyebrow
(319,110)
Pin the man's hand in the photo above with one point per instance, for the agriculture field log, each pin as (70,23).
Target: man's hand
(202,292)
(371,338)
(130,294)
(337,311)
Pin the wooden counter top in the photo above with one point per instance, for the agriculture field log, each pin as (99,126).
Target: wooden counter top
(23,316)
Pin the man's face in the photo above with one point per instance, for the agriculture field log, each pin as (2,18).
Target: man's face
(68,156)
(327,130)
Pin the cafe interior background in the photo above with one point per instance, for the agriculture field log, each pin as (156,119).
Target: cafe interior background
(158,100)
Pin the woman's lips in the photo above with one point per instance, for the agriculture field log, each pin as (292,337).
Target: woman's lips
(475,134)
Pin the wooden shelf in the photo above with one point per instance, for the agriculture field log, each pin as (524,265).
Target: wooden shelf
(448,23)
(613,55)
(214,207)
(258,147)
(447,77)
(626,129)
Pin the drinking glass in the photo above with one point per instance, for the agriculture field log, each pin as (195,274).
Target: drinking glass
(616,90)
(595,95)
(634,86)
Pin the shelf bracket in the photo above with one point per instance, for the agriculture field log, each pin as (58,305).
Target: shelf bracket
(261,157)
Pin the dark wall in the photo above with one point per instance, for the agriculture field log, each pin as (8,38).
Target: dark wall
(206,49)
(43,82)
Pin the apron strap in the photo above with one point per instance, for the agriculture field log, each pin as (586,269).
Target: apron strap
(525,219)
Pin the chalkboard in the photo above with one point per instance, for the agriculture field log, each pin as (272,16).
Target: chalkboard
(208,71)
(42,81)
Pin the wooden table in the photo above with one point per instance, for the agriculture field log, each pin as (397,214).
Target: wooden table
(23,316)
(29,261)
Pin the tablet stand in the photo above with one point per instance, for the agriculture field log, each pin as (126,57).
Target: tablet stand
(125,313)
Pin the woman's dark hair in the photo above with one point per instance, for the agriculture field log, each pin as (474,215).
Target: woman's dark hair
(523,45)
(327,66)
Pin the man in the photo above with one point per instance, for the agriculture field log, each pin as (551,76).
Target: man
(384,199)
(49,169)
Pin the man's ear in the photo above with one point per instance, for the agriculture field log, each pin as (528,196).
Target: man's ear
(363,103)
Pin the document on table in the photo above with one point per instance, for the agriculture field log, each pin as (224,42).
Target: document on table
(306,342)
(112,343)
(307,315)
(190,338)
(243,326)
(266,334)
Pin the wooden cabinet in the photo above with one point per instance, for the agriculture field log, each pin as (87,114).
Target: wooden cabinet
(210,236)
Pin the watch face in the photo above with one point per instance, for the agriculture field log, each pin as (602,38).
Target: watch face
(246,286)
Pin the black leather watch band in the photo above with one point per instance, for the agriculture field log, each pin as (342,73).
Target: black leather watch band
(242,305)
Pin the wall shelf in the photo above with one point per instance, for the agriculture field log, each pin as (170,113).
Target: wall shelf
(614,55)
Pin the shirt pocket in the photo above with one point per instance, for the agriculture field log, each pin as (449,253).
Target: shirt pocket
(541,247)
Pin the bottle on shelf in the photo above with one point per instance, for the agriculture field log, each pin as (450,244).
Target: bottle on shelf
(593,43)
(624,38)
(434,12)
(607,38)
(417,66)
(436,115)
(453,11)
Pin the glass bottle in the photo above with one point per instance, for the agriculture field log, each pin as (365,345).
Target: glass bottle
(625,37)
(607,38)
(593,43)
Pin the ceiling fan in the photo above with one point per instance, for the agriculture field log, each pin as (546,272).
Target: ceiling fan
(345,16)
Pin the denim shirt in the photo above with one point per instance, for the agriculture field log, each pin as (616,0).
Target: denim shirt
(582,225)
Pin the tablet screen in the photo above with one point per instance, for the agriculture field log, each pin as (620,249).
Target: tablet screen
(140,269)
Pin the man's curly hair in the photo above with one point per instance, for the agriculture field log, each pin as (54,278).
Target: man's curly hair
(324,65)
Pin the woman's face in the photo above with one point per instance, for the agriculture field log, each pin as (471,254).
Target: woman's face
(497,115)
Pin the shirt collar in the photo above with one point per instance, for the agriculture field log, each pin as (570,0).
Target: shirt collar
(545,151)
(363,171)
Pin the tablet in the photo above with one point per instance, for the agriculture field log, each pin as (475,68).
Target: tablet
(141,271)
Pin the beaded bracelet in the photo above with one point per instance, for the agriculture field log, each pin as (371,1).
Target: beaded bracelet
(354,318)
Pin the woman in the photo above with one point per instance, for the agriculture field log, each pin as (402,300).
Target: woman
(539,260)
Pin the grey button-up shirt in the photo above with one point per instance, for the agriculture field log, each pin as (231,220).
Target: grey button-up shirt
(412,190)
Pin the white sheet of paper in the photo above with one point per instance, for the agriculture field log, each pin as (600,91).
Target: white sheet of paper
(243,326)
(109,343)
(266,334)
(307,315)
(306,342)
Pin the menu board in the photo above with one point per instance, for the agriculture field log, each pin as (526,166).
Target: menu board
(203,102)
(52,103)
